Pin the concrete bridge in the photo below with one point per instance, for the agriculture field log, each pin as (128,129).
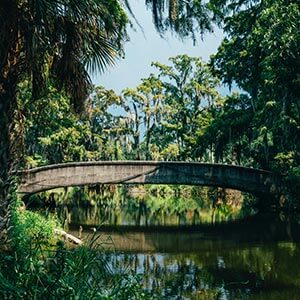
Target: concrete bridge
(255,181)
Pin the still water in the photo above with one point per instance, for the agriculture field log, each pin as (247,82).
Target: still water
(254,260)
(181,254)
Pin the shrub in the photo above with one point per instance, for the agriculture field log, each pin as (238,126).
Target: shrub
(38,266)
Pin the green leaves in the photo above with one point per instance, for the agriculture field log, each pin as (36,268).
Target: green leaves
(62,40)
(261,55)
(162,118)
(171,104)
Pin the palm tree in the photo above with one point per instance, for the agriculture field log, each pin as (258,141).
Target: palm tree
(61,40)
(57,40)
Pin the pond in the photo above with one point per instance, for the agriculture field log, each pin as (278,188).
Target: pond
(195,252)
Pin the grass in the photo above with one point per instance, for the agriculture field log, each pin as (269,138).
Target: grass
(40,266)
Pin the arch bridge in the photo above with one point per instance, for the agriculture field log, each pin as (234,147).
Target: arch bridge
(255,181)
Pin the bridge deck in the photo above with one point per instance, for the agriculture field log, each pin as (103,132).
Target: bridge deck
(147,172)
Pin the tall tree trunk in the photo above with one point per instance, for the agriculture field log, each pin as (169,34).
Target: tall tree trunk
(148,137)
(136,132)
(10,66)
(8,142)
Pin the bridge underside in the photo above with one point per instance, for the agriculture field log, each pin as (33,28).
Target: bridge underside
(144,172)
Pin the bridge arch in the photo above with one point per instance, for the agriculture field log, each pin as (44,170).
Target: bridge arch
(249,180)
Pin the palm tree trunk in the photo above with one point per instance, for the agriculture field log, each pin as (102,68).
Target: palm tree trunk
(8,140)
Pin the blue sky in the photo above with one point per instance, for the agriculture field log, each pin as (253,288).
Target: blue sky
(143,48)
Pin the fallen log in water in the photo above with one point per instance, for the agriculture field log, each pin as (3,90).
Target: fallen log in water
(69,237)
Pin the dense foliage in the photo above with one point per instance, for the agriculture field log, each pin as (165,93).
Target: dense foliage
(48,48)
(42,41)
(161,119)
(260,54)
(174,114)
(39,265)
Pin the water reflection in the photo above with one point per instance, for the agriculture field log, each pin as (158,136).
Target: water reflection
(256,258)
(176,243)
(217,269)
(160,206)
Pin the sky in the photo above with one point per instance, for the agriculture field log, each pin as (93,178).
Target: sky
(146,46)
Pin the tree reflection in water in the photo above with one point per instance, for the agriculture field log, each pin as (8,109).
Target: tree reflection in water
(168,238)
(230,272)
(151,206)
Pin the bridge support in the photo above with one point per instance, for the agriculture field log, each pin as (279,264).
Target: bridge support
(278,200)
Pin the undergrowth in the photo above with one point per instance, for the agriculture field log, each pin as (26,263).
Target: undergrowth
(40,266)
